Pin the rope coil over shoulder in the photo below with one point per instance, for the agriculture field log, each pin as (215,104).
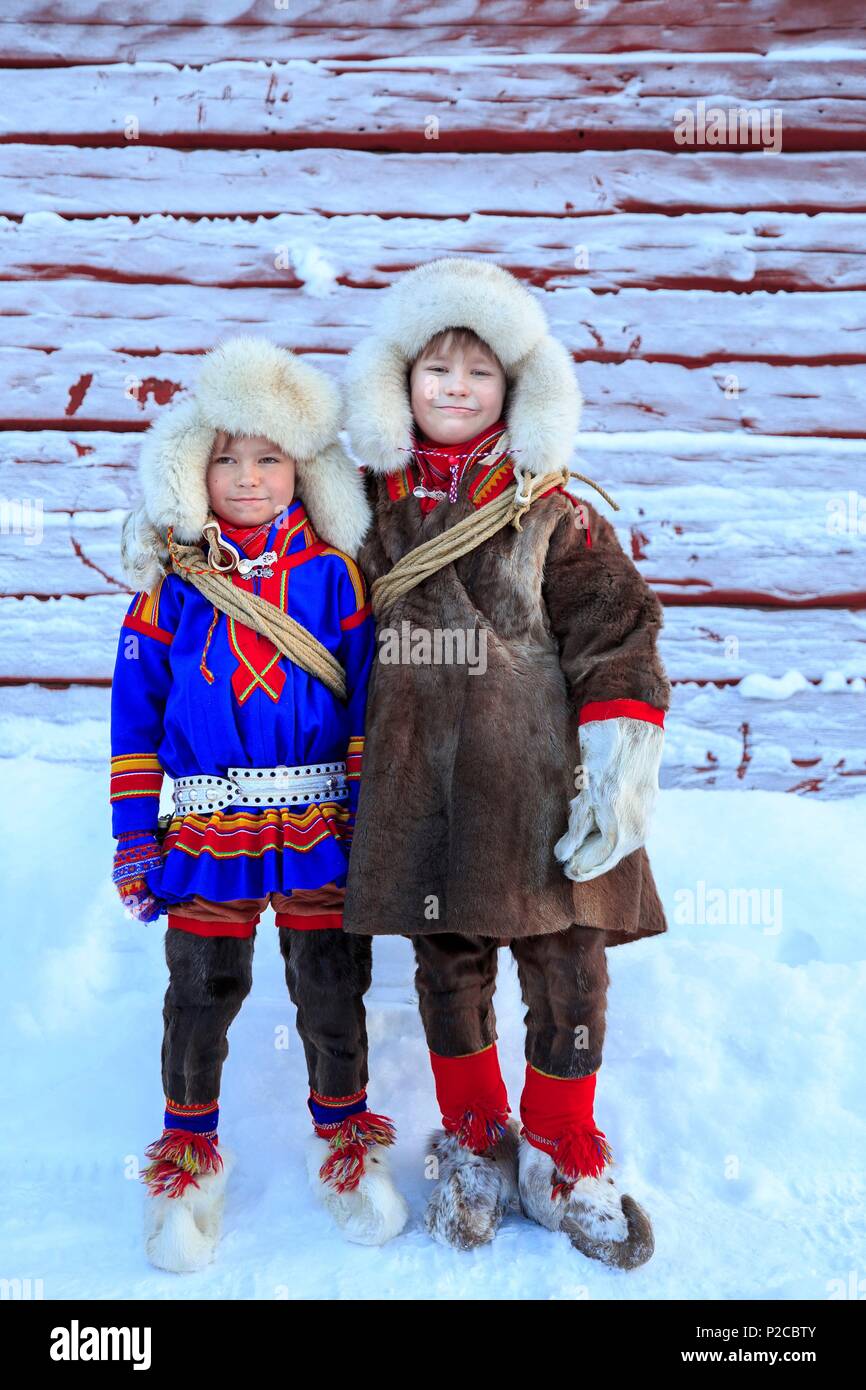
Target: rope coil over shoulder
(290,637)
(507,509)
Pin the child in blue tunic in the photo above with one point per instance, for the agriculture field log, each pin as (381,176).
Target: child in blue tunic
(206,693)
(266,763)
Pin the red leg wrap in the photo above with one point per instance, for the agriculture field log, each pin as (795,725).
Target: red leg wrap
(472,1097)
(557,1116)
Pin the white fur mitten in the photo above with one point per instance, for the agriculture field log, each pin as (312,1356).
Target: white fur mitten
(610,817)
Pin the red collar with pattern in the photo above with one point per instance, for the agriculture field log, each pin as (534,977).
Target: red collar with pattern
(441,468)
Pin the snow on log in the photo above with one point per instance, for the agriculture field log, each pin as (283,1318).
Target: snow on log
(75,639)
(690,327)
(235,28)
(503,104)
(88,386)
(141,180)
(706,544)
(737,251)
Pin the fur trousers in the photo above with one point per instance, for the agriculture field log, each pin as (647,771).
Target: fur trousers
(327,973)
(563,981)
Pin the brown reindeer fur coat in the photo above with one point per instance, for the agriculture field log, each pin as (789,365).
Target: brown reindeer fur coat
(467,777)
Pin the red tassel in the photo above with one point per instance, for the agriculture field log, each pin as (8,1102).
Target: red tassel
(178,1157)
(344,1166)
(472,1097)
(581,1153)
(479,1127)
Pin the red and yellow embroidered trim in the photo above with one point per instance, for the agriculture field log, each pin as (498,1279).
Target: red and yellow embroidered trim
(492,479)
(291,531)
(135,774)
(353,571)
(143,616)
(354,754)
(231,834)
(176,1108)
(337,1101)
(491,482)
(271,687)
(400,484)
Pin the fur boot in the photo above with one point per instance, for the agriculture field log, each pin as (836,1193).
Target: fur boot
(473,1191)
(181,1232)
(599,1221)
(368,1213)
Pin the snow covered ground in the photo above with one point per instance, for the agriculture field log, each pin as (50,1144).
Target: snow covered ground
(732,1090)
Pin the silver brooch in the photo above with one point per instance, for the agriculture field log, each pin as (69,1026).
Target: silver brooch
(420,491)
(260,568)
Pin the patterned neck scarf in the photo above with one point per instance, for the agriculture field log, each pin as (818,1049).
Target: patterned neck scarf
(251,538)
(441,467)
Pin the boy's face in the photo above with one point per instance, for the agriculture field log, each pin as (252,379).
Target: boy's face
(249,480)
(456,392)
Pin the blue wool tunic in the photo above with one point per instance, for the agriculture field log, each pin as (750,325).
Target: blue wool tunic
(196,692)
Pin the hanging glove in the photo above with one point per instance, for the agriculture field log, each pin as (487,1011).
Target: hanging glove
(609,818)
(137,852)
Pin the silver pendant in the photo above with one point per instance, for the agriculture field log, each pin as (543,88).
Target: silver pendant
(259,568)
(420,491)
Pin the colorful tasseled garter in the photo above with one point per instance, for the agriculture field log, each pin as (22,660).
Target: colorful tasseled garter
(350,1129)
(198,1119)
(472,1097)
(186,1150)
(557,1116)
(328,1112)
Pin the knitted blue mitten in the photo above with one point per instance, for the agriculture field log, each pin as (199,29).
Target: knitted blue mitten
(137,852)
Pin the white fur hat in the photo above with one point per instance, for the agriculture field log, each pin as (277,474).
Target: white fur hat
(251,387)
(544,400)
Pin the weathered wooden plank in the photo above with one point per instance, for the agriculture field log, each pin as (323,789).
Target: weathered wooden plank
(492,105)
(76,639)
(86,386)
(135,180)
(69,724)
(664,459)
(47,553)
(416,13)
(809,744)
(704,540)
(693,327)
(785,16)
(69,639)
(725,645)
(96,471)
(723,542)
(738,251)
(61,44)
(709,518)
(62,472)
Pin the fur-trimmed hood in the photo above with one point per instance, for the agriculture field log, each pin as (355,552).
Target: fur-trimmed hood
(245,386)
(544,400)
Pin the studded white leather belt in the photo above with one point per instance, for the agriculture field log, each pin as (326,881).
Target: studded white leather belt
(261,786)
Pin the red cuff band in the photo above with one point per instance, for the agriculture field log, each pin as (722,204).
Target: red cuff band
(557,1116)
(199,927)
(622,709)
(472,1096)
